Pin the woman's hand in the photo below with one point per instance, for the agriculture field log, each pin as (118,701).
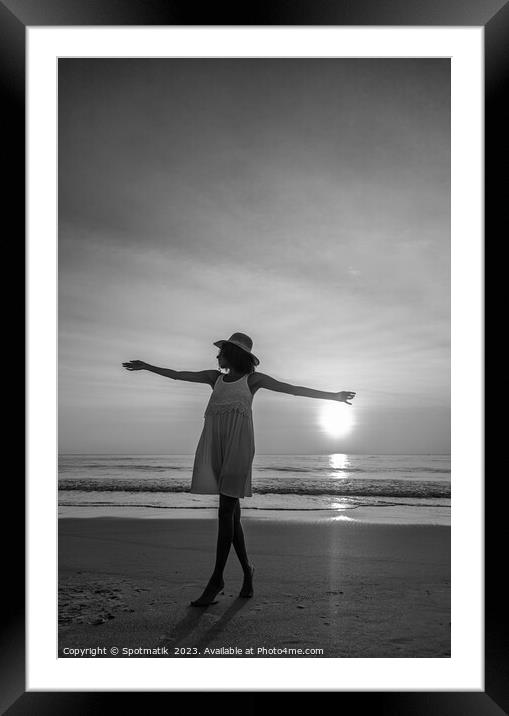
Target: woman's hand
(135,365)
(344,396)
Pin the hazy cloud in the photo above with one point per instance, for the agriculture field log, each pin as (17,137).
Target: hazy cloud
(304,202)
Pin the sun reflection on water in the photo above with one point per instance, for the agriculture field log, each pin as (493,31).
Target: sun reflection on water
(339,461)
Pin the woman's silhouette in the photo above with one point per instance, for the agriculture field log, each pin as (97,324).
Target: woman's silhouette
(225,452)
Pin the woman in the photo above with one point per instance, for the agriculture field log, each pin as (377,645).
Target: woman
(225,451)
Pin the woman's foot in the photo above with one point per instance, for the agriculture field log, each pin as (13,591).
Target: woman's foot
(247,586)
(210,592)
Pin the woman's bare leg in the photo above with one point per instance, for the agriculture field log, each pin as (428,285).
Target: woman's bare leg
(227,506)
(224,541)
(239,545)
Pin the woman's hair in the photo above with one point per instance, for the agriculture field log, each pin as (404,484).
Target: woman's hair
(237,358)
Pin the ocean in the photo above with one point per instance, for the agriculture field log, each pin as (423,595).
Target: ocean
(377,488)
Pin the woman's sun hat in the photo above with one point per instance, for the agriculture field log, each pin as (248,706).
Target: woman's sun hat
(241,341)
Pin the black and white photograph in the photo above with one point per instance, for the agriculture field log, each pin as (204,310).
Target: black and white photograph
(254,357)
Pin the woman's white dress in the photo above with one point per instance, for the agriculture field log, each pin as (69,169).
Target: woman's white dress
(225,451)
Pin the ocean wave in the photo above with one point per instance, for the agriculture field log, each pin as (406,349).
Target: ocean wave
(119,467)
(148,468)
(368,471)
(382,488)
(351,506)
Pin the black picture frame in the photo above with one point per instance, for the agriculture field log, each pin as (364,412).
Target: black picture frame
(15,17)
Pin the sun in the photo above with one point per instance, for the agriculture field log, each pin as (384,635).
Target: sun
(336,419)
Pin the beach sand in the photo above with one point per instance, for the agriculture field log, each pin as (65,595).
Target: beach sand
(352,589)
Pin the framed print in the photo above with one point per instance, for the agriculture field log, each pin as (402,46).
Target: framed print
(288,187)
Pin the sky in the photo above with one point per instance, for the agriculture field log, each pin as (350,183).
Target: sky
(304,202)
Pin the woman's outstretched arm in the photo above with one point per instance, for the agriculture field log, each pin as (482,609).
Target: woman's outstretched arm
(200,376)
(266,381)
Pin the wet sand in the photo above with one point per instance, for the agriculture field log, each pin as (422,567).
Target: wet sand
(350,589)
